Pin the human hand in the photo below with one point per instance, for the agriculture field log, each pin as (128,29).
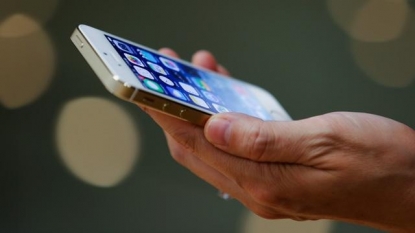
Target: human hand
(352,167)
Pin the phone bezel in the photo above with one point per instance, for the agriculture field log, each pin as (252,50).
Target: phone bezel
(118,78)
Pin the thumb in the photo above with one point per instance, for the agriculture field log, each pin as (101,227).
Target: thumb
(255,139)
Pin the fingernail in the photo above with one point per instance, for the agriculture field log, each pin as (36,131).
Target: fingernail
(218,131)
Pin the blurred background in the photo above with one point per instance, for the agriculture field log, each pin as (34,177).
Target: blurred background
(73,158)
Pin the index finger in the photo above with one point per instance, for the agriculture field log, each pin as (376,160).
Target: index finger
(191,137)
(205,59)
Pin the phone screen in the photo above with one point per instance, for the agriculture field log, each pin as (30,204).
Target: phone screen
(205,90)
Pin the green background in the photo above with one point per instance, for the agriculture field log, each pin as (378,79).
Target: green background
(293,48)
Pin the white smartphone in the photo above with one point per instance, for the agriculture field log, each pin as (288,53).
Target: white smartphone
(143,76)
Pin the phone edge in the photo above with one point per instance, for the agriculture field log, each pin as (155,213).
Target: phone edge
(132,94)
(117,88)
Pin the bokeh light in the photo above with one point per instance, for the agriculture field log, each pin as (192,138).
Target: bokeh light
(370,20)
(253,224)
(97,141)
(381,37)
(380,20)
(343,12)
(27,63)
(18,25)
(27,60)
(390,63)
(40,11)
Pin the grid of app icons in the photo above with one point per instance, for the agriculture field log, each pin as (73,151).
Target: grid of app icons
(182,82)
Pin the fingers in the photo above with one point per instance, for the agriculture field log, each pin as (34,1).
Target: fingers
(206,60)
(202,170)
(220,181)
(201,58)
(169,52)
(258,140)
(192,139)
(223,70)
(227,158)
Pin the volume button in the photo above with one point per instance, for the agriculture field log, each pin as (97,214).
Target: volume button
(80,42)
(165,105)
(182,111)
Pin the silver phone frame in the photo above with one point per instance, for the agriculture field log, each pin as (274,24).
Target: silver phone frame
(120,81)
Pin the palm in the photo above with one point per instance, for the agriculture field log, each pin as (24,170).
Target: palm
(354,167)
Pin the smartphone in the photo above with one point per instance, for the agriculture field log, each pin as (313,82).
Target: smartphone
(143,76)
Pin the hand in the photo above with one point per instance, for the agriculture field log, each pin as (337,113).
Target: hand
(353,167)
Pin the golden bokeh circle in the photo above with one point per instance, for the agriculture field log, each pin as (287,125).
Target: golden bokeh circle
(371,20)
(18,25)
(27,65)
(254,224)
(97,141)
(391,63)
(40,11)
(381,38)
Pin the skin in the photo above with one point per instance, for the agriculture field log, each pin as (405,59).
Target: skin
(346,166)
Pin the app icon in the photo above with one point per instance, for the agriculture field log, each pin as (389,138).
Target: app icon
(148,56)
(133,59)
(179,76)
(124,47)
(169,64)
(166,80)
(188,88)
(157,68)
(220,108)
(176,93)
(143,72)
(200,83)
(153,85)
(199,101)
(211,96)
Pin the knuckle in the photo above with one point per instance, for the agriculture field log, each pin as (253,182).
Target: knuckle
(326,140)
(186,140)
(263,195)
(260,141)
(189,144)
(178,151)
(333,124)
